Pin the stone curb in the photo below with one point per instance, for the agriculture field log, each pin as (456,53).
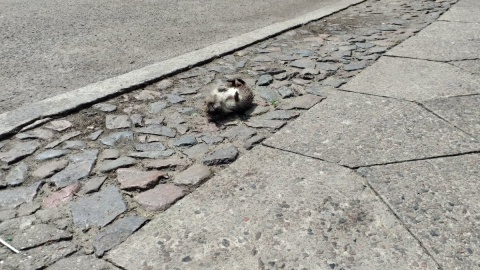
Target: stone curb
(13,121)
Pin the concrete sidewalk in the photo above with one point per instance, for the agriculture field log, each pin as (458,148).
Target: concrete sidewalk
(383,174)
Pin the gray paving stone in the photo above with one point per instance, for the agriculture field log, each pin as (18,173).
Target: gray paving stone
(157,107)
(83,262)
(463,112)
(93,184)
(194,175)
(463,11)
(117,121)
(304,102)
(111,139)
(38,133)
(267,93)
(264,123)
(174,99)
(98,209)
(39,258)
(160,197)
(147,95)
(286,92)
(11,198)
(13,226)
(185,140)
(164,84)
(64,137)
(111,165)
(369,130)
(212,139)
(197,151)
(334,81)
(17,175)
(327,66)
(437,200)
(59,125)
(442,41)
(49,168)
(74,145)
(116,233)
(257,110)
(221,155)
(265,80)
(134,178)
(7,214)
(19,151)
(314,209)
(239,133)
(355,66)
(94,135)
(317,89)
(303,63)
(78,168)
(136,120)
(155,146)
(415,80)
(152,154)
(157,130)
(38,234)
(110,154)
(166,163)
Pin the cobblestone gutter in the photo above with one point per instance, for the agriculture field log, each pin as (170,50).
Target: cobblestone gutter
(75,187)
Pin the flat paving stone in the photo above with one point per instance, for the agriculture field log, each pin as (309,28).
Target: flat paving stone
(463,11)
(134,178)
(11,198)
(94,135)
(38,258)
(152,154)
(17,175)
(154,146)
(64,137)
(160,197)
(280,115)
(93,184)
(117,121)
(304,102)
(59,125)
(267,93)
(62,196)
(74,145)
(194,175)
(111,165)
(38,234)
(116,233)
(78,168)
(196,151)
(98,209)
(49,154)
(49,168)
(157,107)
(463,112)
(83,262)
(442,41)
(111,139)
(157,130)
(415,80)
(105,107)
(19,151)
(251,214)
(437,199)
(221,155)
(264,123)
(110,154)
(185,140)
(369,130)
(38,133)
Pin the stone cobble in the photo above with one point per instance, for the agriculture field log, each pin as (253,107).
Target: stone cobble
(73,188)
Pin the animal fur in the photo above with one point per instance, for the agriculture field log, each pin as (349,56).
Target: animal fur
(235,96)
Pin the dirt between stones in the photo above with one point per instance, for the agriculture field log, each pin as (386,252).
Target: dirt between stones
(162,127)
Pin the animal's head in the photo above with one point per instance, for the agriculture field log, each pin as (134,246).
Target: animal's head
(224,98)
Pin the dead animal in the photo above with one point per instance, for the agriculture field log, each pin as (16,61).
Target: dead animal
(234,96)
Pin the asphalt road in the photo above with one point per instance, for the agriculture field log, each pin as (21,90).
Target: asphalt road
(48,47)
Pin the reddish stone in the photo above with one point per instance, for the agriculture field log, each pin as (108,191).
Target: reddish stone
(161,197)
(61,196)
(134,178)
(193,175)
(48,169)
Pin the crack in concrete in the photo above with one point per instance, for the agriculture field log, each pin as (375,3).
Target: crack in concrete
(431,60)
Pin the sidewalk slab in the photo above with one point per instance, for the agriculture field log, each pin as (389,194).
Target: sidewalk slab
(438,200)
(442,41)
(414,80)
(316,215)
(463,11)
(359,130)
(463,112)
